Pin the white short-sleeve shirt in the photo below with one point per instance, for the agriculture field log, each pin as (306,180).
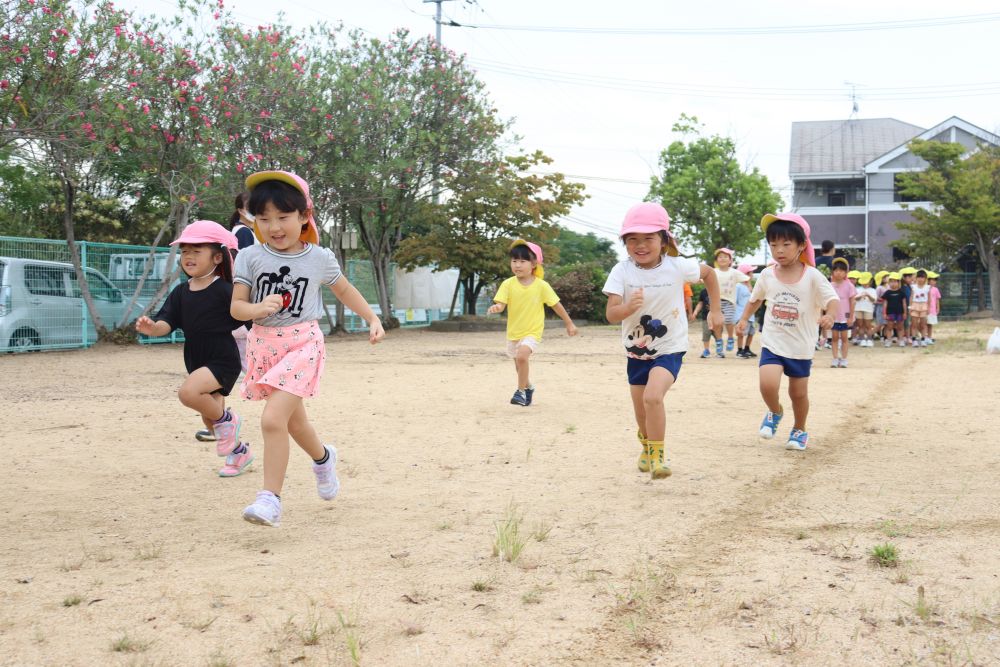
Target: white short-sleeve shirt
(791,322)
(660,326)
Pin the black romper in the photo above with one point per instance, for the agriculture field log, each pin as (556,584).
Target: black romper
(204,318)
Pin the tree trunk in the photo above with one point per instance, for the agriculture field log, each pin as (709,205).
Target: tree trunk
(994,272)
(150,265)
(179,213)
(468,307)
(454,296)
(381,268)
(988,257)
(69,194)
(339,307)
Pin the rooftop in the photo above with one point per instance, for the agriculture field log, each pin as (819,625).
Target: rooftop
(844,146)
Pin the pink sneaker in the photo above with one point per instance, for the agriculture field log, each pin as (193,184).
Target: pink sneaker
(227,434)
(237,463)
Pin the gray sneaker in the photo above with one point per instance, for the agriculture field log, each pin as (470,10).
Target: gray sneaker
(327,483)
(265,510)
(204,435)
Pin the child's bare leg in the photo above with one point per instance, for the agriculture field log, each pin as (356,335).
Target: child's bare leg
(798,391)
(659,382)
(302,431)
(730,328)
(739,341)
(749,341)
(274,425)
(844,344)
(521,364)
(636,392)
(770,383)
(196,393)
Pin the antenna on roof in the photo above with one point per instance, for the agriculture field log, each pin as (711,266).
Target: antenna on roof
(854,97)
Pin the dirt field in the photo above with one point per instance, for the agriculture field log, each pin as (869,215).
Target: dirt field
(122,546)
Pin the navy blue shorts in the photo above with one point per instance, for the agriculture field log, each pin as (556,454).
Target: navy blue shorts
(794,368)
(638,369)
(841,326)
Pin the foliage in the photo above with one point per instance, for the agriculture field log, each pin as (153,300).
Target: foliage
(965,192)
(577,248)
(712,201)
(490,206)
(579,289)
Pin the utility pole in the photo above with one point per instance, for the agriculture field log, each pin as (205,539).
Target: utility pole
(435,192)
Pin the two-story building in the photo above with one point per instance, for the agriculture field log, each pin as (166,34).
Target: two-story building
(845,177)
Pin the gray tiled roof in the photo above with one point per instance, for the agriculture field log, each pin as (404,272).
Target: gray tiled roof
(828,146)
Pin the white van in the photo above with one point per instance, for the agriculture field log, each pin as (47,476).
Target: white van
(41,305)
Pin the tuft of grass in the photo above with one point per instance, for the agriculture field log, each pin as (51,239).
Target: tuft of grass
(72,565)
(412,629)
(570,429)
(922,609)
(890,528)
(126,644)
(885,555)
(150,551)
(541,531)
(901,577)
(508,543)
(481,586)
(445,525)
(801,535)
(352,640)
(534,596)
(72,600)
(220,659)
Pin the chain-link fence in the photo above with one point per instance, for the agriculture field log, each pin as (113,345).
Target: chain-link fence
(41,306)
(963,293)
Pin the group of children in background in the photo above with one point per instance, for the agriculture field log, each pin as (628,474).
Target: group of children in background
(275,283)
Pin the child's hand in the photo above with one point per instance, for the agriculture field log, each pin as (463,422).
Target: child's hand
(375,331)
(570,329)
(271,304)
(495,309)
(826,321)
(635,300)
(850,321)
(144,325)
(741,327)
(715,320)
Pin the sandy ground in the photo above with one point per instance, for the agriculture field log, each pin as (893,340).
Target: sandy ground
(121,545)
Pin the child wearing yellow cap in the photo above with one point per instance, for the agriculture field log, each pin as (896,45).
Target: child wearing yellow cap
(896,310)
(864,310)
(920,308)
(881,285)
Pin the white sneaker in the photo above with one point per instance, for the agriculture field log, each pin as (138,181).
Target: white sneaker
(924,343)
(327,483)
(265,510)
(916,343)
(843,363)
(902,343)
(887,343)
(835,363)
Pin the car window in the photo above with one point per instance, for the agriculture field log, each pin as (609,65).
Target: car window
(99,287)
(44,280)
(3,272)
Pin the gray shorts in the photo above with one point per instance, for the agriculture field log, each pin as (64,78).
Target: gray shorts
(729,312)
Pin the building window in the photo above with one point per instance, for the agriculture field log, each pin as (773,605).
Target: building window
(897,195)
(836,199)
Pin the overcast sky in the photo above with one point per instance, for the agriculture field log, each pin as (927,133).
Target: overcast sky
(602,104)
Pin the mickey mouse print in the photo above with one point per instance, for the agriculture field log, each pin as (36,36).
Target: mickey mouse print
(291,288)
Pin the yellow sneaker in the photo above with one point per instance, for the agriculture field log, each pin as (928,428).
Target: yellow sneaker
(657,461)
(644,458)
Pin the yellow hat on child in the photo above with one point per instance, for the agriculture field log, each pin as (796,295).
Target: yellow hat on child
(864,277)
(879,276)
(854,273)
(895,275)
(907,270)
(933,274)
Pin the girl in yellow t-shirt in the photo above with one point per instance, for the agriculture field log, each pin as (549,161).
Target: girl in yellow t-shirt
(525,295)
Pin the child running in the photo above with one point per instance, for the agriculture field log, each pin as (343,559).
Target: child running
(200,308)
(843,318)
(646,294)
(728,278)
(796,293)
(526,295)
(278,286)
(864,309)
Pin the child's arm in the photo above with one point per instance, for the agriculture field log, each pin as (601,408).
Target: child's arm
(564,316)
(149,327)
(349,295)
(826,319)
(496,308)
(850,314)
(696,311)
(711,280)
(751,308)
(241,309)
(618,309)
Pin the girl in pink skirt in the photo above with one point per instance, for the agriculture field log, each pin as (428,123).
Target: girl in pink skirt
(277,284)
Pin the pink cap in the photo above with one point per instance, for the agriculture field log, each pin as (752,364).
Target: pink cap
(311,233)
(808,255)
(206,231)
(649,217)
(536,250)
(745,268)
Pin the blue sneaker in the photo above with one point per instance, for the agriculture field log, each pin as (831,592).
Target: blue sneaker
(730,345)
(797,440)
(529,393)
(705,354)
(718,350)
(769,426)
(519,398)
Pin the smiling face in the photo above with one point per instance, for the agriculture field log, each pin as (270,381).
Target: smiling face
(645,248)
(723,260)
(282,230)
(199,259)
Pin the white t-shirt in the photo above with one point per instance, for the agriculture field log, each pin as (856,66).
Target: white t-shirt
(920,295)
(728,280)
(791,322)
(660,326)
(864,305)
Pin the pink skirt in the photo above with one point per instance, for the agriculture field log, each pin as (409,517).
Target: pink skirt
(284,358)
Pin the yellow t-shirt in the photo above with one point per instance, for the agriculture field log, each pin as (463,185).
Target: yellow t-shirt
(525,309)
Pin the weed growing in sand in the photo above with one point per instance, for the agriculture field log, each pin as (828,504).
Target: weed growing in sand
(481,586)
(541,531)
(220,659)
(126,644)
(534,596)
(890,528)
(509,542)
(150,551)
(72,565)
(801,535)
(412,629)
(786,639)
(885,555)
(445,525)
(570,429)
(922,609)
(901,577)
(313,630)
(352,640)
(634,604)
(72,601)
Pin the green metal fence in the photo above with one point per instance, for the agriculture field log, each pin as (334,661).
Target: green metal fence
(41,307)
(963,293)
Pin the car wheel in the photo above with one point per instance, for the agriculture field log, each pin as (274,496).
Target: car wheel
(24,340)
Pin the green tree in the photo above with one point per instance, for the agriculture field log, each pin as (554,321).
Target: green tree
(712,201)
(586,248)
(487,209)
(966,197)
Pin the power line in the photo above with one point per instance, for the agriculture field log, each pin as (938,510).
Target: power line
(902,24)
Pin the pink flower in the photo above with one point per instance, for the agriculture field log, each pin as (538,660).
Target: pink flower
(51,54)
(4,85)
